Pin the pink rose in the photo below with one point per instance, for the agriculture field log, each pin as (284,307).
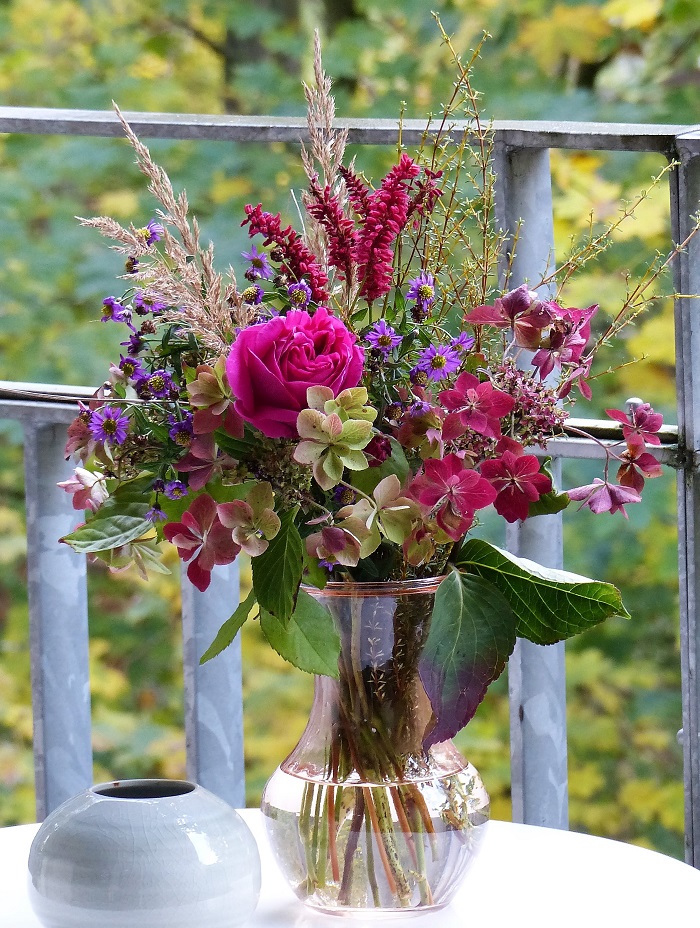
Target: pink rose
(271,366)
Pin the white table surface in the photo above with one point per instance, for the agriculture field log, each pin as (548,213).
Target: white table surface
(524,876)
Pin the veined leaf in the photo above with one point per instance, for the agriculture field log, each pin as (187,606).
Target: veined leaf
(472,634)
(550,605)
(119,520)
(229,629)
(308,639)
(277,571)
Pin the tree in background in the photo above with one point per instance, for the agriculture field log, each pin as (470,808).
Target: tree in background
(634,60)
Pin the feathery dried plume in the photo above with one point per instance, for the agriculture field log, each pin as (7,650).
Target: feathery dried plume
(327,143)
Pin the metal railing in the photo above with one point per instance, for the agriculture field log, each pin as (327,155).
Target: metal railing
(57,597)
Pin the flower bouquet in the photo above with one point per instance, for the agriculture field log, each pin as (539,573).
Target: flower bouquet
(342,416)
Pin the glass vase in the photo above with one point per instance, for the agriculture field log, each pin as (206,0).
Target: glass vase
(363,818)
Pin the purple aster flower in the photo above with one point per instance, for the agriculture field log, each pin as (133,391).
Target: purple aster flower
(131,367)
(156,514)
(135,343)
(144,304)
(382,337)
(152,232)
(253,295)
(422,290)
(181,430)
(438,362)
(109,424)
(463,342)
(158,485)
(114,311)
(259,263)
(176,489)
(159,384)
(419,408)
(299,294)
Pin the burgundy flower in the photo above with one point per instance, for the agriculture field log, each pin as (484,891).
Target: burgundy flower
(478,405)
(519,310)
(642,422)
(452,493)
(518,480)
(637,464)
(201,539)
(567,338)
(601,496)
(202,461)
(340,230)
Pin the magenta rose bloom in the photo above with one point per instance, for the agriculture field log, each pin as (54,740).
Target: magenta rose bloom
(271,366)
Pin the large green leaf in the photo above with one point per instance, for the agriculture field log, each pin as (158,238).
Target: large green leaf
(551,605)
(308,639)
(119,520)
(277,572)
(229,629)
(472,634)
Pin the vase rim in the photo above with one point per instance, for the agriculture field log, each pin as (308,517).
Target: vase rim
(352,588)
(143,789)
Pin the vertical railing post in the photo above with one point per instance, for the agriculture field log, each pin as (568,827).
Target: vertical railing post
(685,202)
(57,591)
(536,674)
(213,697)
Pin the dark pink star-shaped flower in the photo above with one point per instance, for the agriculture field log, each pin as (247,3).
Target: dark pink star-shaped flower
(601,496)
(518,480)
(636,465)
(479,405)
(642,422)
(451,493)
(201,539)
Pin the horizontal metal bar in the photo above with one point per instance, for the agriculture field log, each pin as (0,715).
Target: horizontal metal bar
(512,133)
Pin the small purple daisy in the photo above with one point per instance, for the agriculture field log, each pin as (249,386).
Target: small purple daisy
(144,304)
(463,342)
(152,232)
(159,384)
(113,311)
(253,295)
(181,430)
(382,337)
(109,425)
(438,362)
(175,489)
(422,290)
(130,367)
(156,514)
(135,343)
(259,263)
(299,294)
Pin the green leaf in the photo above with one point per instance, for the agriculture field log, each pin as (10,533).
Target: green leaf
(309,639)
(236,447)
(119,520)
(551,605)
(229,629)
(472,634)
(277,571)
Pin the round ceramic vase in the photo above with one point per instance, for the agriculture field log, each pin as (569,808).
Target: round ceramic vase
(144,854)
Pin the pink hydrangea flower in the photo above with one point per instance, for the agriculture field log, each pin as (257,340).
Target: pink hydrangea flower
(642,423)
(518,480)
(601,496)
(88,489)
(201,539)
(478,405)
(451,493)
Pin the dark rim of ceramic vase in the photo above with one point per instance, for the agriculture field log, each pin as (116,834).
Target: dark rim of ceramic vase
(143,789)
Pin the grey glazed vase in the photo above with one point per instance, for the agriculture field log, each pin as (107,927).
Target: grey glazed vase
(146,853)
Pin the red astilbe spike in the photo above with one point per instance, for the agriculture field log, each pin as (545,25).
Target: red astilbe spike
(359,191)
(340,230)
(386,219)
(427,194)
(298,261)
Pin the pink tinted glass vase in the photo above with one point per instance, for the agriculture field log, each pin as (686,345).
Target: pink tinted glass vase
(362,817)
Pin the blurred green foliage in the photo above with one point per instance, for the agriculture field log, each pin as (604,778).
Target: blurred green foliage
(633,60)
